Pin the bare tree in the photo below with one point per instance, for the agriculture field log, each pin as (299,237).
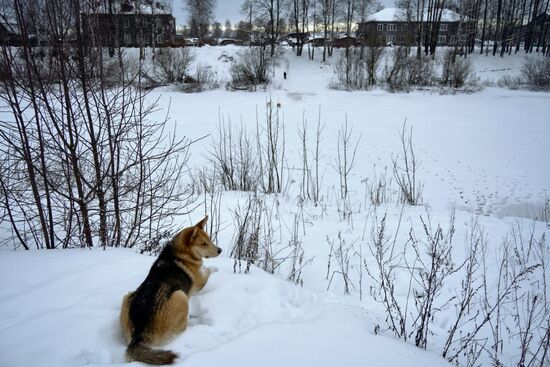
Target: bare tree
(327,10)
(200,14)
(299,10)
(268,16)
(228,29)
(92,166)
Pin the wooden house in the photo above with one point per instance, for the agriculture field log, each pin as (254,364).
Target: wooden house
(129,29)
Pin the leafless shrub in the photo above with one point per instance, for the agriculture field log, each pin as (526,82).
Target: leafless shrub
(270,140)
(379,188)
(246,243)
(248,161)
(512,308)
(212,206)
(347,146)
(471,284)
(373,57)
(387,262)
(421,72)
(536,72)
(203,79)
(429,273)
(310,187)
(510,82)
(456,71)
(317,177)
(405,167)
(306,185)
(396,69)
(255,244)
(251,68)
(234,158)
(544,210)
(351,72)
(341,252)
(530,307)
(297,255)
(172,65)
(404,71)
(93,166)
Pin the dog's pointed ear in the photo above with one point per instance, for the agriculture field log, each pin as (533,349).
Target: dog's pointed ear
(193,235)
(202,224)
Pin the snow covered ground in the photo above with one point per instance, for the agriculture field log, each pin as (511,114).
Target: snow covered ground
(484,154)
(63,311)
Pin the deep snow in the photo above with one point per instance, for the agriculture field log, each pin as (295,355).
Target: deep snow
(62,310)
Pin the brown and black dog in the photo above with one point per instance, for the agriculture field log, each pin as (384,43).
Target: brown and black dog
(158,309)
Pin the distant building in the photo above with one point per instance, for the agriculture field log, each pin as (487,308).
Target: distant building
(344,40)
(129,29)
(390,27)
(9,32)
(229,41)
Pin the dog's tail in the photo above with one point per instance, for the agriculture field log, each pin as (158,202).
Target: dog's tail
(138,351)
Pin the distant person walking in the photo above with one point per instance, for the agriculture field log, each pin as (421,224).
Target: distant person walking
(284,75)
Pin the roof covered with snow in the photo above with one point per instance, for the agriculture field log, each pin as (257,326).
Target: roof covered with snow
(396,14)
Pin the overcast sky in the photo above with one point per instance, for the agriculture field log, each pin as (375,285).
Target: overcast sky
(227,9)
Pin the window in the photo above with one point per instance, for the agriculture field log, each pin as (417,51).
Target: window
(126,21)
(462,39)
(160,39)
(390,39)
(143,39)
(158,22)
(453,39)
(128,39)
(441,39)
(392,27)
(403,39)
(379,27)
(404,27)
(443,27)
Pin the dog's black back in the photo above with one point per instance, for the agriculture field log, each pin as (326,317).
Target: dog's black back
(164,278)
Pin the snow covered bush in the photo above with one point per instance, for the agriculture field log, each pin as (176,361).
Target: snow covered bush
(251,68)
(536,72)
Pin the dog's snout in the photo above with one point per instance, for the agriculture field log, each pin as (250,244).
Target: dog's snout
(219,250)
